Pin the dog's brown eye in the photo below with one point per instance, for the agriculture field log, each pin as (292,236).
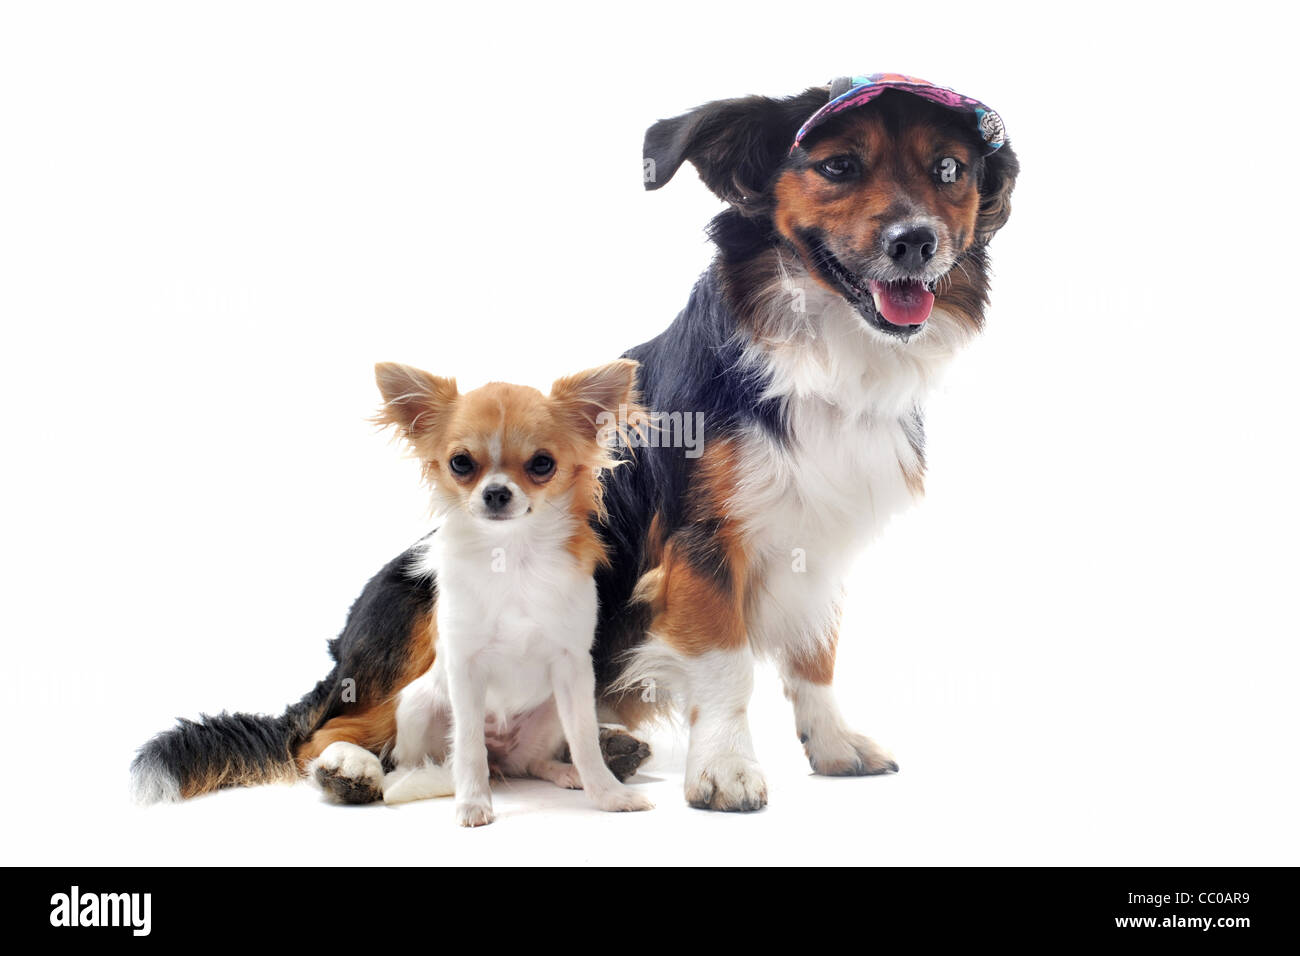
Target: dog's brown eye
(461,464)
(948,170)
(838,167)
(541,465)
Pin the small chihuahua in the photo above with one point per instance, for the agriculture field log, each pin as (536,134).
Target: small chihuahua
(516,478)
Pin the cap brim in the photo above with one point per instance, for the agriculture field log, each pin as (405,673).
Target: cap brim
(985,121)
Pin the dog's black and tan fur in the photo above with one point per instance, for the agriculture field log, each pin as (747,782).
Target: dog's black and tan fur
(688,597)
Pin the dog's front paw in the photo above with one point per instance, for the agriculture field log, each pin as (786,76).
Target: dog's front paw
(731,782)
(348,773)
(846,754)
(621,799)
(474,813)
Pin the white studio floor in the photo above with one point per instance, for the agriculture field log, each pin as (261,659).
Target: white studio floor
(961,798)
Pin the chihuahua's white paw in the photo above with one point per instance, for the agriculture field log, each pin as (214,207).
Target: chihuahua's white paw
(561,774)
(428,780)
(846,754)
(621,800)
(474,813)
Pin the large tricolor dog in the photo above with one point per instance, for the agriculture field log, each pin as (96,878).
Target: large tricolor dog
(851,266)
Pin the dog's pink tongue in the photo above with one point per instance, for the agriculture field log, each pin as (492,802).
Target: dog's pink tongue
(902,303)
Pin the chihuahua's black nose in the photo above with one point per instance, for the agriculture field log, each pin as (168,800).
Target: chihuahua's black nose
(496,497)
(911,246)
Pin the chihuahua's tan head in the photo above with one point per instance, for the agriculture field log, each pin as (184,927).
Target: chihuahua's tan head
(503,452)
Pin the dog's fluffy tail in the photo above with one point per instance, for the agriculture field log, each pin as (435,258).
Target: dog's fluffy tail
(654,673)
(227,750)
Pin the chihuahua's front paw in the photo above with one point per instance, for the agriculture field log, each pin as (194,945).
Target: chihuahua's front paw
(621,800)
(474,814)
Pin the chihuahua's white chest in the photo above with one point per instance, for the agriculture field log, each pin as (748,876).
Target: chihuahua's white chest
(511,602)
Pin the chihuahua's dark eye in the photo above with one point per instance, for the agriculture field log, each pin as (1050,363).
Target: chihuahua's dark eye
(948,170)
(839,167)
(461,464)
(541,465)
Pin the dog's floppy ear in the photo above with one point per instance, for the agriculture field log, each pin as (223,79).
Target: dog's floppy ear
(997,179)
(414,401)
(735,144)
(588,398)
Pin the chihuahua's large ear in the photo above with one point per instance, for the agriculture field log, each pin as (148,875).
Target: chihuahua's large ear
(736,145)
(588,397)
(997,179)
(414,400)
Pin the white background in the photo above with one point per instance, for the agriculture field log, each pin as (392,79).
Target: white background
(215,218)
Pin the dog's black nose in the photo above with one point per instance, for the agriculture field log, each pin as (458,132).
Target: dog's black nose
(911,246)
(496,497)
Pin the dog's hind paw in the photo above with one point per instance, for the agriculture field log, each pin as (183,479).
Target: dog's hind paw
(623,753)
(348,773)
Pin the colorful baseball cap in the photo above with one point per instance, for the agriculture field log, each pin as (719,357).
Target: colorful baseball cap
(850,91)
